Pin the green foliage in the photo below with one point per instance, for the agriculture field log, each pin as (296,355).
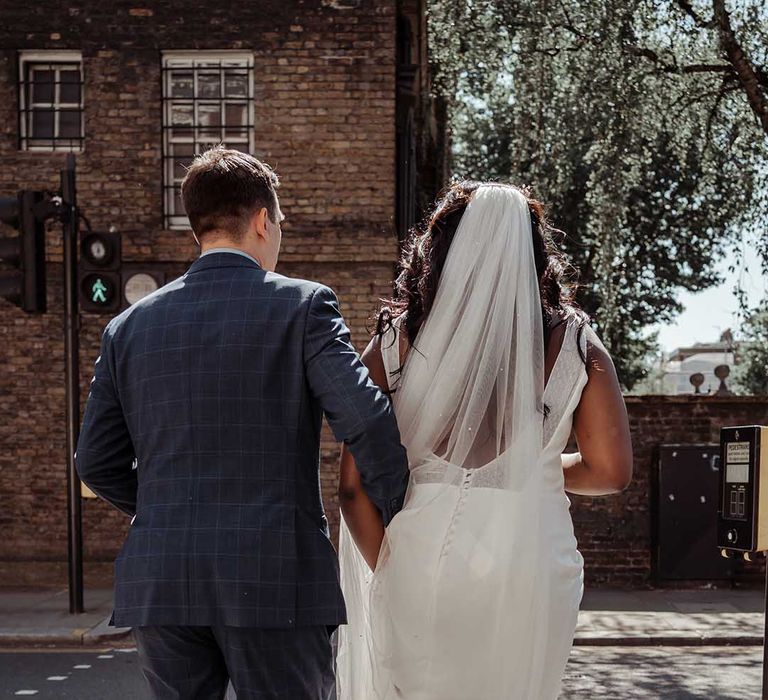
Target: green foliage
(627,119)
(751,374)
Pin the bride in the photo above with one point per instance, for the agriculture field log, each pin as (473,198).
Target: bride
(473,590)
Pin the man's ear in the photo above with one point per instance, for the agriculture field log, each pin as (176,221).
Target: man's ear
(259,222)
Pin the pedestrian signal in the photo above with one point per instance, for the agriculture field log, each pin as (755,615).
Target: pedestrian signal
(100,272)
(99,291)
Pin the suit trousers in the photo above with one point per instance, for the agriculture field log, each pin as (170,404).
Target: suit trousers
(196,663)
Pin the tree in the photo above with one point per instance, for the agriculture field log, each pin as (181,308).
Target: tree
(751,375)
(641,122)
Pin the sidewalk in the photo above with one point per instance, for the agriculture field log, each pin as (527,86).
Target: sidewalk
(41,618)
(671,618)
(607,618)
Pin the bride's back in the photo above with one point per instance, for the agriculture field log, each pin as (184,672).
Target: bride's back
(477,585)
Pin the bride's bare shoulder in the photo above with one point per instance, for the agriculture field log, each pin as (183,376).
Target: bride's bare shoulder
(374,361)
(558,324)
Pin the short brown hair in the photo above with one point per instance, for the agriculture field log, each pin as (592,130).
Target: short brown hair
(223,188)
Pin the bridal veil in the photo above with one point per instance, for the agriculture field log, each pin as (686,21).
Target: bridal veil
(468,404)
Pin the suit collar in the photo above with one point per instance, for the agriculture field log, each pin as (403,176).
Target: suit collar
(223,259)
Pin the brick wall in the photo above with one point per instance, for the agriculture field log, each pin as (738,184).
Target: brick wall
(615,532)
(325,119)
(324,74)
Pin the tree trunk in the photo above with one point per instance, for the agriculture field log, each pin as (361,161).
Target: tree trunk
(745,71)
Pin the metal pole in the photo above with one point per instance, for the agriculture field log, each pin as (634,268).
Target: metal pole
(72,371)
(765,640)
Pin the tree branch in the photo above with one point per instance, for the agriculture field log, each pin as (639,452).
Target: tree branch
(689,100)
(762,76)
(707,68)
(686,7)
(651,55)
(569,25)
(747,75)
(725,89)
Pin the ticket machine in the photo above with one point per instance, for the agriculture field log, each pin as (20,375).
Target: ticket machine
(742,518)
(743,509)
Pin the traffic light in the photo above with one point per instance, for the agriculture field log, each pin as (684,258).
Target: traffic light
(22,274)
(100,287)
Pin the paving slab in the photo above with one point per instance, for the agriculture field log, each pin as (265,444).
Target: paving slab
(40,617)
(671,617)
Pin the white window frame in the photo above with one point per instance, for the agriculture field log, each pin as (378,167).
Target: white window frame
(199,137)
(56,61)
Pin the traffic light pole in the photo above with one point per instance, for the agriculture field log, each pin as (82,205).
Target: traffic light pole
(764,694)
(72,370)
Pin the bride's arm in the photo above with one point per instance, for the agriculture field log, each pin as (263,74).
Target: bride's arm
(603,464)
(361,515)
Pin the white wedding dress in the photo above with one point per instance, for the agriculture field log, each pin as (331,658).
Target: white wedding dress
(478,584)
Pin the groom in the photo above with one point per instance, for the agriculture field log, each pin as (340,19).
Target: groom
(203,424)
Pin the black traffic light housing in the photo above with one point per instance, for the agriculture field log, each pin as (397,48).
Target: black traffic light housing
(22,275)
(99,277)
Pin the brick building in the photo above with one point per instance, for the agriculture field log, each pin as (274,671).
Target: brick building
(335,95)
(332,93)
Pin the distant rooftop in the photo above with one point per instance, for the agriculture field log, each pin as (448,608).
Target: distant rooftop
(725,344)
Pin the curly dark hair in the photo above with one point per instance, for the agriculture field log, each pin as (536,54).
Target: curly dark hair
(424,254)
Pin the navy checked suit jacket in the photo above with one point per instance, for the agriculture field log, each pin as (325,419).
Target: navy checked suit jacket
(203,421)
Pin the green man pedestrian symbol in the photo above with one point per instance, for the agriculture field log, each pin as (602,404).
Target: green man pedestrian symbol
(98,292)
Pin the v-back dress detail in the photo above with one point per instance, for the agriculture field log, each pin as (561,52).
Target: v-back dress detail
(460,562)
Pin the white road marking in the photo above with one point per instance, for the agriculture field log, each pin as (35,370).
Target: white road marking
(57,678)
(105,656)
(25,692)
(82,666)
